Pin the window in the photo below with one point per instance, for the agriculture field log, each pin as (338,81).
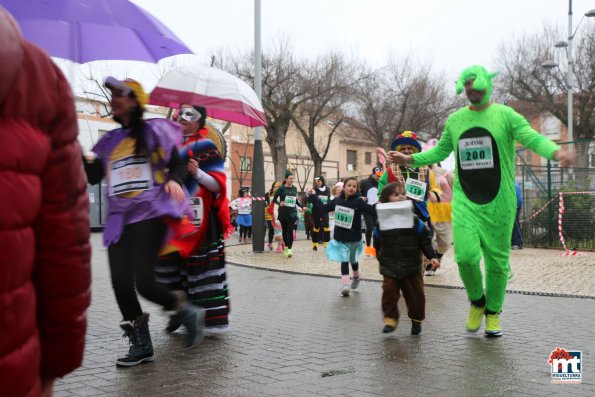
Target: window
(245,163)
(368,158)
(550,126)
(351,160)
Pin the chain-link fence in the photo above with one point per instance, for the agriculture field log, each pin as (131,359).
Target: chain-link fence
(544,223)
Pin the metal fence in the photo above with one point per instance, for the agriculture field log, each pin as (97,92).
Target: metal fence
(541,187)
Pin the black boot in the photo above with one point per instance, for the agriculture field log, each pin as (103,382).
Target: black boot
(193,319)
(141,347)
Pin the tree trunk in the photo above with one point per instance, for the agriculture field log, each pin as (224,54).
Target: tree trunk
(581,149)
(276,133)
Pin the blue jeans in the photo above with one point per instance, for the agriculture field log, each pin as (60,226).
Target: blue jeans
(517,237)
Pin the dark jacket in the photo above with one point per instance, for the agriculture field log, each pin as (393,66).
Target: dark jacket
(45,272)
(354,202)
(399,250)
(367,184)
(285,212)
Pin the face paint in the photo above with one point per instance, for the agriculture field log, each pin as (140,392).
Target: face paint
(191,115)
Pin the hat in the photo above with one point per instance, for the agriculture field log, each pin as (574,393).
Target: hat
(406,138)
(376,169)
(320,178)
(128,86)
(288,174)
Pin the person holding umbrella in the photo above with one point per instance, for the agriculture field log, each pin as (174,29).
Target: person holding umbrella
(196,264)
(144,176)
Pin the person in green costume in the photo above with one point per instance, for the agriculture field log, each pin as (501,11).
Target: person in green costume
(483,137)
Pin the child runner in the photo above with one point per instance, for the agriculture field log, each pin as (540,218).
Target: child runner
(399,256)
(243,204)
(321,221)
(346,246)
(286,198)
(269,213)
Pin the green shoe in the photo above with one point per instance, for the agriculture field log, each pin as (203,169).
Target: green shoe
(475,317)
(285,251)
(493,325)
(289,253)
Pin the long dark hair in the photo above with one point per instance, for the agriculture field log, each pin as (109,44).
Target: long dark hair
(390,189)
(137,126)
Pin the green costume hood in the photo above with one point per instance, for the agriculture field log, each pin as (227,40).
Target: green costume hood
(482,80)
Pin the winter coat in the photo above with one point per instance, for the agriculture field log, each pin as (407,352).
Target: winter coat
(44,220)
(354,202)
(399,250)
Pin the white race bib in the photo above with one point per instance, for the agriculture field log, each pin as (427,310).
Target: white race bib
(476,153)
(290,201)
(415,189)
(130,174)
(395,215)
(324,199)
(344,216)
(197,210)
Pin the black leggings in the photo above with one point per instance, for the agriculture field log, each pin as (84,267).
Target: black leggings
(245,231)
(369,228)
(271,231)
(287,227)
(132,261)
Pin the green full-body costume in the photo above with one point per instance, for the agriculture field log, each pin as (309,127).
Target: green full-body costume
(484,198)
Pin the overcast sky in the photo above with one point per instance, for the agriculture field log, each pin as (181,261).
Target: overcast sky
(452,34)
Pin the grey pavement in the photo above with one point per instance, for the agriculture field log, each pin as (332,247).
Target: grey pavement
(294,335)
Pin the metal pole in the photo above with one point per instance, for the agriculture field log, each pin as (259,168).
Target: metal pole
(550,212)
(258,226)
(570,83)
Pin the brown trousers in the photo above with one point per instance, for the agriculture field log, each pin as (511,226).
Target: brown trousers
(412,289)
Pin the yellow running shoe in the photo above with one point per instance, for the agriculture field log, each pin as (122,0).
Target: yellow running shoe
(475,317)
(493,325)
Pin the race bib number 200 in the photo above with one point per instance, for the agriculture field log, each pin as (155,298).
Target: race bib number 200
(476,153)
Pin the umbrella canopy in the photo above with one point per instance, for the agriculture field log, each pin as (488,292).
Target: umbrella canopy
(91,30)
(225,96)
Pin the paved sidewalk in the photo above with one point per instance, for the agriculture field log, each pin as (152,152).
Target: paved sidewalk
(294,335)
(535,270)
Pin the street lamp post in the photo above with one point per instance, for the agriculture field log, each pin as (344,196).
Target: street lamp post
(568,45)
(258,164)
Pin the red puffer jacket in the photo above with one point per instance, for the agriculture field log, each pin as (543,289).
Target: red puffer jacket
(44,224)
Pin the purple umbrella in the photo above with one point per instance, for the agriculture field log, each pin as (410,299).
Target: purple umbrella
(91,30)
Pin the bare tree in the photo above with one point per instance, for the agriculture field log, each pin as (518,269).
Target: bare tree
(403,96)
(302,166)
(329,82)
(282,93)
(241,172)
(525,80)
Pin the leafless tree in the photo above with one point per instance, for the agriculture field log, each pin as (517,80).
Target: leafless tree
(302,166)
(525,80)
(404,95)
(329,82)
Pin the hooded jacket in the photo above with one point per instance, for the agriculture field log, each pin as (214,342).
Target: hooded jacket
(354,202)
(44,220)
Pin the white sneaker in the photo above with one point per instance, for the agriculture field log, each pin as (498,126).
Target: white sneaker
(345,290)
(429,272)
